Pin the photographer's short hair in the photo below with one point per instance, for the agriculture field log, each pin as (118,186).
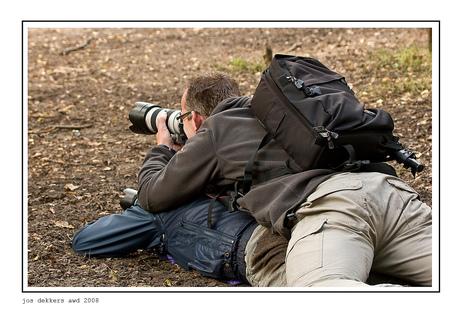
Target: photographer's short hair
(207,89)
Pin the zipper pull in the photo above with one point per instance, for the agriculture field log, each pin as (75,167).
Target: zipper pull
(329,135)
(298,83)
(312,91)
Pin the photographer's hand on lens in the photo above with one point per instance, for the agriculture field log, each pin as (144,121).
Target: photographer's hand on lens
(164,136)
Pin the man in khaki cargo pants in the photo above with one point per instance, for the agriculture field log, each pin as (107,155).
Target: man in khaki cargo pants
(346,224)
(355,222)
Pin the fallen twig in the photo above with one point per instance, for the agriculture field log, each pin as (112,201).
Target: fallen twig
(66,51)
(295,46)
(62,162)
(72,127)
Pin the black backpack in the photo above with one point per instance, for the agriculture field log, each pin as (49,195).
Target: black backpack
(314,115)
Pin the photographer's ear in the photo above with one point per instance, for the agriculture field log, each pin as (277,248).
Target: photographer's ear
(197,120)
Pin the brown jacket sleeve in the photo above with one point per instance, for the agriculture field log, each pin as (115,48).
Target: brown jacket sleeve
(168,180)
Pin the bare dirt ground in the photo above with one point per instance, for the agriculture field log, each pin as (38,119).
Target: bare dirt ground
(82,83)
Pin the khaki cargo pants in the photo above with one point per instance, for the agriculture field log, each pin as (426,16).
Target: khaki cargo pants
(354,223)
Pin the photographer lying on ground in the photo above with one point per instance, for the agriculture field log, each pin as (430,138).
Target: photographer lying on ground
(222,251)
(347,224)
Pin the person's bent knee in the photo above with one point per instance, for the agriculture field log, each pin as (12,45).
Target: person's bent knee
(78,242)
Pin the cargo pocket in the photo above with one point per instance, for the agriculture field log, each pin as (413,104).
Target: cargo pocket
(337,183)
(305,249)
(333,185)
(210,252)
(414,213)
(401,185)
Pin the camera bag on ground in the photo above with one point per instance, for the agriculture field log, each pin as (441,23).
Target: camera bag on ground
(314,115)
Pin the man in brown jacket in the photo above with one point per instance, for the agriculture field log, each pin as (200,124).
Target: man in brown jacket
(340,226)
(234,248)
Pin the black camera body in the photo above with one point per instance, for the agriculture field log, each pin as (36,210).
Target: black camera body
(144,119)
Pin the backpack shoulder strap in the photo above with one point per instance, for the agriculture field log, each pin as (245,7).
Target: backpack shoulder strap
(378,167)
(248,171)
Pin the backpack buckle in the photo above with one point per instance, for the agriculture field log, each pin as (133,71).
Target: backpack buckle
(356,165)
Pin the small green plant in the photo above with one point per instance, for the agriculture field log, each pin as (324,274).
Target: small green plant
(405,70)
(241,65)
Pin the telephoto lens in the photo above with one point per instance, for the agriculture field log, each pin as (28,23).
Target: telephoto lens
(144,119)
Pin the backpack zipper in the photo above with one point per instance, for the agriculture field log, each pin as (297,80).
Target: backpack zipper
(327,134)
(285,100)
(310,91)
(298,83)
(323,132)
